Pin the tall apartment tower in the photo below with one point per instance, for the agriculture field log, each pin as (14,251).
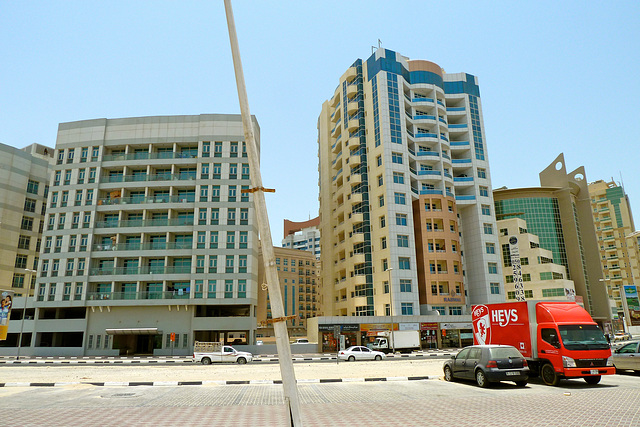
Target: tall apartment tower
(614,223)
(148,228)
(405,192)
(304,236)
(24,174)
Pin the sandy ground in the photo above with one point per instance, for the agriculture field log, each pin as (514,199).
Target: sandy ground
(217,372)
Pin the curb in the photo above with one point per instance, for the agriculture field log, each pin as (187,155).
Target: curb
(227,382)
(141,361)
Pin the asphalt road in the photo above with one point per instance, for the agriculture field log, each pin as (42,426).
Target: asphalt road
(613,402)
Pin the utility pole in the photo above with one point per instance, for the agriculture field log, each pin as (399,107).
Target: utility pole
(292,400)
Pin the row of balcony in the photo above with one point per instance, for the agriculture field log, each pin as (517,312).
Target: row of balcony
(187,198)
(189,154)
(181,176)
(145,223)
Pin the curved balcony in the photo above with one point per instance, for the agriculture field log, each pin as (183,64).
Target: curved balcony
(458,163)
(358,259)
(352,90)
(355,159)
(357,238)
(357,218)
(351,74)
(359,279)
(459,145)
(353,125)
(355,198)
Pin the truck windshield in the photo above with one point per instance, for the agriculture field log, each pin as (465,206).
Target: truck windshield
(583,337)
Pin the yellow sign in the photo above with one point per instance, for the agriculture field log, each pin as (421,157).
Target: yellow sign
(6,301)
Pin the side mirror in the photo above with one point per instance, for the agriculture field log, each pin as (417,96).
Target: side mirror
(453,357)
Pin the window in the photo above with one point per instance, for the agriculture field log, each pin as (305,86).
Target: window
(244,239)
(23,242)
(490,248)
(404,263)
(67,177)
(383,222)
(242,263)
(94,153)
(379,160)
(403,241)
(493,268)
(233,171)
(215,216)
(407,308)
(21,261)
(482,173)
(228,288)
(81,174)
(488,228)
(383,243)
(32,187)
(405,285)
(242,288)
(380,181)
(486,210)
(232,193)
(381,201)
(217,149)
(484,191)
(229,264)
(401,219)
(29,205)
(27,223)
(245,171)
(495,288)
(553,292)
(234,149)
(398,178)
(400,198)
(92,175)
(231,239)
(396,158)
(231,216)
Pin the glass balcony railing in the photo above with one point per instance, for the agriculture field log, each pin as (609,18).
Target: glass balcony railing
(186,154)
(186,198)
(184,176)
(118,271)
(147,246)
(145,295)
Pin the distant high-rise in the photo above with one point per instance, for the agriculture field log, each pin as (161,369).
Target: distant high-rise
(406,208)
(24,174)
(304,236)
(559,213)
(614,223)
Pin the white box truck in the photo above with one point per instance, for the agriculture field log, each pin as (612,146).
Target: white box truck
(216,352)
(402,341)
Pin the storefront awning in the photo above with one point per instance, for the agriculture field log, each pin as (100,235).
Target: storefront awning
(134,331)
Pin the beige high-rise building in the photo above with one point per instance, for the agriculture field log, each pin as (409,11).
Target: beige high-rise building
(542,278)
(405,191)
(298,272)
(618,256)
(24,178)
(559,213)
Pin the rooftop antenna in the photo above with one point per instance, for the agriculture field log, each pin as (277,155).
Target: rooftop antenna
(291,397)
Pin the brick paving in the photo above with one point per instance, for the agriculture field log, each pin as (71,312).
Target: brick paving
(615,402)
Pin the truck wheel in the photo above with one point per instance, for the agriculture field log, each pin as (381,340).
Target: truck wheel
(481,379)
(351,358)
(448,375)
(593,380)
(241,361)
(548,374)
(378,357)
(206,361)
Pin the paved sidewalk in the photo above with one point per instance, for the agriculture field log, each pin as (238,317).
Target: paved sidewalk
(75,360)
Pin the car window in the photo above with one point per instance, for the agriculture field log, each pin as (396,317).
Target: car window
(364,349)
(629,348)
(475,353)
(504,352)
(355,349)
(463,353)
(550,336)
(227,349)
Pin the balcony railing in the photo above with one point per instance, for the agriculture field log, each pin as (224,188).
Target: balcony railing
(145,295)
(184,176)
(145,223)
(117,271)
(191,154)
(187,198)
(142,246)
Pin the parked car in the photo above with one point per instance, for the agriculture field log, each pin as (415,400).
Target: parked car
(623,336)
(488,364)
(627,357)
(358,352)
(301,341)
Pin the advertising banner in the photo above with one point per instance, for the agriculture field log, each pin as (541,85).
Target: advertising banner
(631,293)
(517,268)
(506,323)
(6,301)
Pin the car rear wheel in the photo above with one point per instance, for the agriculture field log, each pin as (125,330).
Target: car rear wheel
(206,361)
(241,361)
(521,383)
(481,379)
(378,357)
(351,358)
(448,375)
(593,380)
(548,374)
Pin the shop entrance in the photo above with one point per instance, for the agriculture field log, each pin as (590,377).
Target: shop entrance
(140,341)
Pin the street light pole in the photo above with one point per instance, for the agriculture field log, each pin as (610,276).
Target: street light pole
(393,345)
(625,308)
(24,313)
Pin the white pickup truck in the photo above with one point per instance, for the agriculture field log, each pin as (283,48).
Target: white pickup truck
(216,352)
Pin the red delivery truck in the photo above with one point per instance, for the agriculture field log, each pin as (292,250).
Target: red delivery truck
(558,339)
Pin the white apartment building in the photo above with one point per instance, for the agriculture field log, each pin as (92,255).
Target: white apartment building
(149,241)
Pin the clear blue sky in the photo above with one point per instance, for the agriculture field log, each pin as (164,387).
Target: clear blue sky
(554,76)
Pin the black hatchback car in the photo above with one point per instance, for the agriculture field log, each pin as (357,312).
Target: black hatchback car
(488,364)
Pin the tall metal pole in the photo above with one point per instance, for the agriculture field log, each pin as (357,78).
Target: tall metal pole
(292,400)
